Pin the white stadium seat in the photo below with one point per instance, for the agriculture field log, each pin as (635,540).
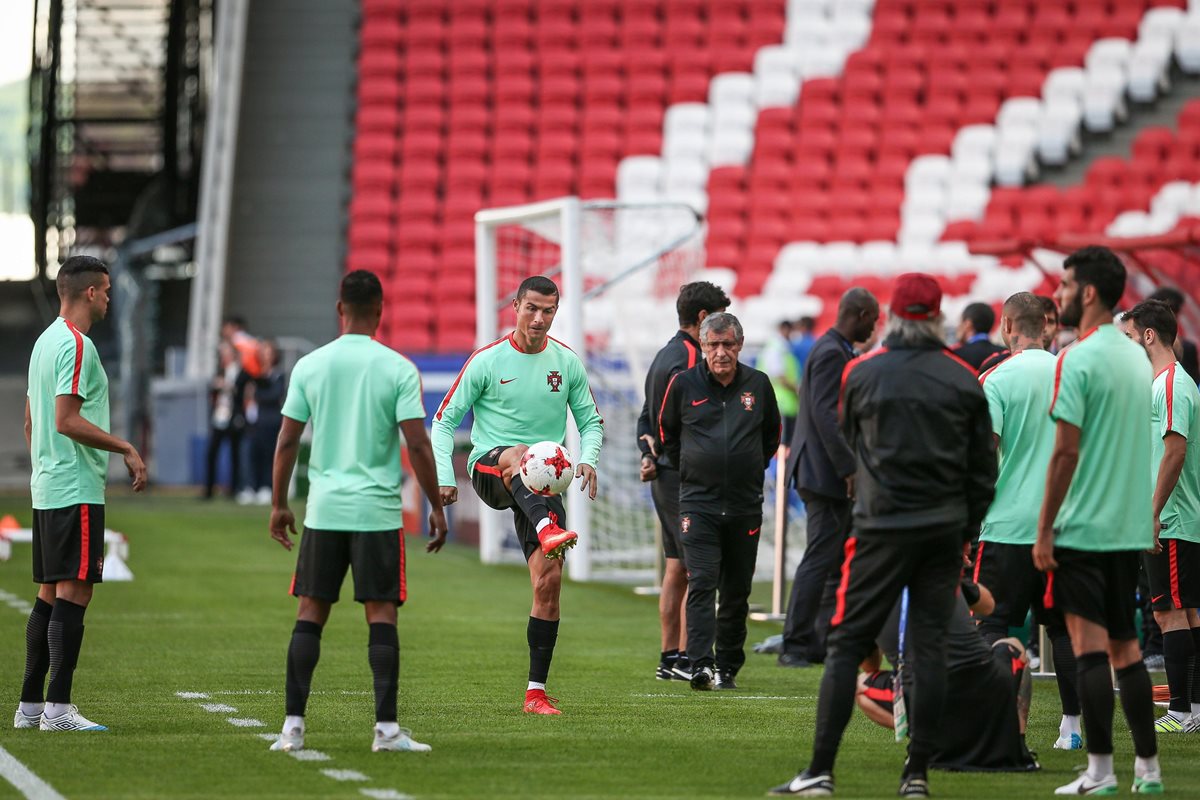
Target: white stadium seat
(1187,43)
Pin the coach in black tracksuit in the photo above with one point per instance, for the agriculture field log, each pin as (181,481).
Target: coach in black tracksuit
(719,425)
(918,423)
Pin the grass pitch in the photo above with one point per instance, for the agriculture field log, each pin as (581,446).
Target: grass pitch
(209,613)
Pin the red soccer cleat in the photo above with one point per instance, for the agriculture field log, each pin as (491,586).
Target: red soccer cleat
(555,541)
(536,702)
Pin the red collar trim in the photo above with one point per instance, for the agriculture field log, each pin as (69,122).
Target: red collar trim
(1093,330)
(1165,369)
(512,340)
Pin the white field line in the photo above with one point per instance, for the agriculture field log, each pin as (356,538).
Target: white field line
(307,755)
(26,782)
(191,695)
(218,708)
(724,696)
(267,737)
(385,794)
(344,775)
(246,722)
(246,692)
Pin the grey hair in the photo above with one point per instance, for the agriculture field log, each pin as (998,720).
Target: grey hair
(719,323)
(915,332)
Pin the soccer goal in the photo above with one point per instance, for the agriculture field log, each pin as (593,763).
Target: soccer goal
(619,267)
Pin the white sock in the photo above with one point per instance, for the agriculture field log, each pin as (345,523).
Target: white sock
(545,521)
(1099,767)
(1179,715)
(535,685)
(388,729)
(32,709)
(1145,766)
(291,723)
(56,710)
(1069,725)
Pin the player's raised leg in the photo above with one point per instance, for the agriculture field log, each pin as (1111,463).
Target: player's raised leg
(554,540)
(542,633)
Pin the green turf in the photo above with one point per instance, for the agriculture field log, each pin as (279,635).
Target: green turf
(209,612)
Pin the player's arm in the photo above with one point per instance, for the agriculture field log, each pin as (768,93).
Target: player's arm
(648,469)
(287,447)
(590,424)
(1169,470)
(463,393)
(825,382)
(28,427)
(772,428)
(70,423)
(1063,462)
(420,453)
(669,422)
(980,475)
(847,426)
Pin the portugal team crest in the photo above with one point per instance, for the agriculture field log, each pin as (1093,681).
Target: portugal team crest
(748,401)
(554,379)
(684,524)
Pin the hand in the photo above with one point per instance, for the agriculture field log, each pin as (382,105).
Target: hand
(653,445)
(448,494)
(649,469)
(1156,548)
(437,530)
(588,474)
(137,469)
(1043,552)
(850,487)
(967,553)
(282,521)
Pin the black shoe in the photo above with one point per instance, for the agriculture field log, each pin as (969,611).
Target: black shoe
(915,785)
(806,784)
(793,660)
(725,679)
(681,670)
(665,672)
(702,679)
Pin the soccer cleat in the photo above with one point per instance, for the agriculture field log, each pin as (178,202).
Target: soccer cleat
(664,672)
(1192,725)
(1084,784)
(914,786)
(805,785)
(1072,741)
(72,720)
(536,702)
(1168,724)
(725,680)
(402,742)
(289,741)
(682,669)
(1148,784)
(555,541)
(703,679)
(23,721)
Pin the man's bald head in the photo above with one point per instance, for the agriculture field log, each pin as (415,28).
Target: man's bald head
(858,311)
(1027,313)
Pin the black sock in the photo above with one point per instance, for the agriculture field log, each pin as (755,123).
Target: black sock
(533,506)
(37,652)
(1137,701)
(1096,699)
(669,657)
(542,634)
(1066,672)
(64,637)
(303,653)
(1179,652)
(383,651)
(1195,693)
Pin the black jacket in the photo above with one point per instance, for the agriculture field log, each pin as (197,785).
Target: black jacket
(682,352)
(721,438)
(975,353)
(820,460)
(918,423)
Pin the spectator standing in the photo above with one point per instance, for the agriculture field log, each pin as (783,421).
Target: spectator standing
(974,346)
(780,365)
(227,419)
(803,340)
(269,391)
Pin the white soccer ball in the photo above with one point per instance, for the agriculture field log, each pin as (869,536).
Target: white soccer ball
(546,468)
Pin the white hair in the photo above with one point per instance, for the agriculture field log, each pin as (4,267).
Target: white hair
(915,332)
(721,321)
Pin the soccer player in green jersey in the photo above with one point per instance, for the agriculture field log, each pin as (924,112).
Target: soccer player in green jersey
(1096,516)
(1018,393)
(66,429)
(520,388)
(1173,565)
(356,392)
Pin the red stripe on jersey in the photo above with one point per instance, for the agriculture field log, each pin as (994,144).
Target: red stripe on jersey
(978,561)
(878,695)
(840,611)
(1174,556)
(850,365)
(983,378)
(403,580)
(85,536)
(457,380)
(1171,400)
(1057,378)
(78,358)
(965,365)
(663,407)
(1048,595)
(691,351)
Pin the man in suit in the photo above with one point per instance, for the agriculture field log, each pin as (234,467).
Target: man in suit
(974,346)
(821,466)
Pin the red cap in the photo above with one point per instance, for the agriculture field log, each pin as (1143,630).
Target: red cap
(916,296)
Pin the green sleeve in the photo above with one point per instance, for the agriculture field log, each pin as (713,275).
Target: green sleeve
(296,405)
(458,401)
(586,414)
(66,379)
(1069,403)
(408,395)
(995,406)
(1178,415)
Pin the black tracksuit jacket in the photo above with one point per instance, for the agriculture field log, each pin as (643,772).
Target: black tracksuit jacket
(721,438)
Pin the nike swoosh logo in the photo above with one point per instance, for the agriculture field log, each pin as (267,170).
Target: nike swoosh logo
(1156,599)
(504,381)
(756,530)
(699,402)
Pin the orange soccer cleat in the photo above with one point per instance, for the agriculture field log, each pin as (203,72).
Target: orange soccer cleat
(555,541)
(536,702)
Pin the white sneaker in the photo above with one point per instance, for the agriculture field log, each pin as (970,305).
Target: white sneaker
(401,742)
(72,720)
(1070,741)
(23,721)
(263,498)
(289,741)
(1192,725)
(245,497)
(1084,784)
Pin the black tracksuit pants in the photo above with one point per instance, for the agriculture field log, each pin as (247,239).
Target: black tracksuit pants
(815,583)
(877,567)
(719,553)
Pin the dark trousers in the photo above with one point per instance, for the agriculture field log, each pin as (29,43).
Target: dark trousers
(815,583)
(876,569)
(263,435)
(215,437)
(719,553)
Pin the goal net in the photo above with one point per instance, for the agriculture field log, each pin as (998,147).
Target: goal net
(619,267)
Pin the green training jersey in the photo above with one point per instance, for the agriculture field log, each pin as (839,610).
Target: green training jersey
(356,391)
(518,398)
(1177,410)
(1102,386)
(65,472)
(1018,393)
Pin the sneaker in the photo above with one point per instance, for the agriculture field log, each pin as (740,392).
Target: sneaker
(665,672)
(1071,741)
(725,680)
(289,741)
(536,702)
(805,784)
(1192,725)
(23,721)
(1155,663)
(703,679)
(1148,784)
(263,496)
(1085,785)
(245,497)
(1168,724)
(682,669)
(555,541)
(792,660)
(70,721)
(401,742)
(916,785)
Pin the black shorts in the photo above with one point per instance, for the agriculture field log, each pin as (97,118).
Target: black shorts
(68,543)
(665,492)
(1100,587)
(1017,586)
(377,558)
(1174,575)
(488,482)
